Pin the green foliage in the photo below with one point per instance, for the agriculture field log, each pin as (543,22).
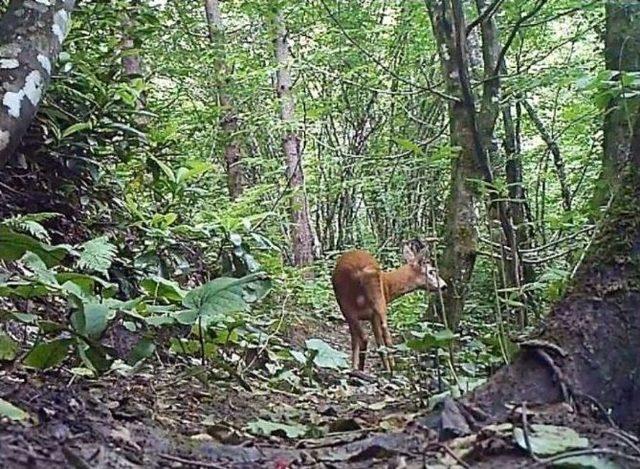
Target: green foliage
(8,348)
(325,356)
(150,177)
(48,354)
(96,254)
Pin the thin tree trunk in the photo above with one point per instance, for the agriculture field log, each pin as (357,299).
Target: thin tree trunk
(489,112)
(558,161)
(517,194)
(301,229)
(31,36)
(132,63)
(229,119)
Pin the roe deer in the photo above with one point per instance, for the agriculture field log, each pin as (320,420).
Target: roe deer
(363,291)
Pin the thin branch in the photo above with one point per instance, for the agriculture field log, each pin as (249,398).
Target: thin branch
(514,31)
(486,14)
(379,63)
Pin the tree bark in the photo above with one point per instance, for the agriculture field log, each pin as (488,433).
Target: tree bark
(132,63)
(302,238)
(461,236)
(494,65)
(472,136)
(31,37)
(622,54)
(229,119)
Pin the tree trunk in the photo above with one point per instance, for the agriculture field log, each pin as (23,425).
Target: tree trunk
(472,162)
(31,36)
(558,161)
(229,120)
(132,64)
(461,236)
(517,193)
(494,65)
(302,238)
(622,54)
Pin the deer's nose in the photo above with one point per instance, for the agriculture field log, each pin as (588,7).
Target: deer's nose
(443,288)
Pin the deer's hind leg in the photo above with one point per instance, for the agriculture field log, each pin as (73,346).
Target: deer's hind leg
(358,344)
(379,324)
(376,325)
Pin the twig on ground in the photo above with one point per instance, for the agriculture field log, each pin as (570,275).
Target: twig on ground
(451,453)
(525,432)
(586,452)
(191,462)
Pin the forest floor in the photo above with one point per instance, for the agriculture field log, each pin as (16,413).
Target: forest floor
(163,416)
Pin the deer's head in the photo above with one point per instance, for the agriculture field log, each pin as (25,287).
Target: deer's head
(417,256)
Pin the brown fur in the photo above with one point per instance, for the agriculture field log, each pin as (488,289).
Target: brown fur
(363,291)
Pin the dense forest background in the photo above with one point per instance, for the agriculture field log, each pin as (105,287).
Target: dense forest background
(174,198)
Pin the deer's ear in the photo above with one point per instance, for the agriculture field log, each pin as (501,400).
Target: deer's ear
(408,254)
(424,254)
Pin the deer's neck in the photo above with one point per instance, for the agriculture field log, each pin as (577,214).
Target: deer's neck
(398,282)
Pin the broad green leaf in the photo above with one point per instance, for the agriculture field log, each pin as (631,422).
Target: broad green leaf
(96,317)
(143,349)
(8,410)
(428,340)
(326,356)
(94,358)
(267,428)
(87,282)
(39,269)
(8,348)
(48,354)
(23,289)
(547,440)
(298,356)
(219,297)
(158,287)
(14,245)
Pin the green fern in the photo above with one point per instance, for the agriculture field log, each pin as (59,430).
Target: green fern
(96,254)
(30,224)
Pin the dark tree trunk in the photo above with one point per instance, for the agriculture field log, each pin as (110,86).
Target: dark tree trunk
(622,54)
(302,238)
(31,36)
(517,193)
(229,120)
